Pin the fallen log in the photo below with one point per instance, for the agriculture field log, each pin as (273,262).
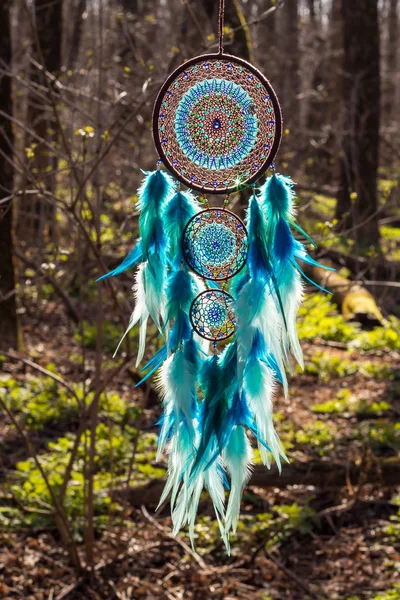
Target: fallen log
(321,474)
(354,300)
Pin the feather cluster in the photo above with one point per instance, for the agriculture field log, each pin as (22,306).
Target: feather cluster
(212,405)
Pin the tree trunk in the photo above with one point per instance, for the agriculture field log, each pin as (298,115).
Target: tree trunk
(71,51)
(357,195)
(354,300)
(290,49)
(46,51)
(8,306)
(311,10)
(392,59)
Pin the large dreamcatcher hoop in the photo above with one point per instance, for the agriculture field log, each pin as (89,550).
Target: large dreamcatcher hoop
(217,123)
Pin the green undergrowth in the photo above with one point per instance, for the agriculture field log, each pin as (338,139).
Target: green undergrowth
(114,452)
(346,403)
(42,401)
(319,319)
(327,365)
(39,401)
(315,436)
(383,436)
(391,594)
(44,404)
(111,335)
(392,531)
(391,241)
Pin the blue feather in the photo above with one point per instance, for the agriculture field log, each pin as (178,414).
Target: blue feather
(276,197)
(154,363)
(277,200)
(181,290)
(180,293)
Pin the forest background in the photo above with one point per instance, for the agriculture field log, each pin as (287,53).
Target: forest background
(78,477)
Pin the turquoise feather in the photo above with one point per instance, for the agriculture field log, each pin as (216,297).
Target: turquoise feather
(197,476)
(153,193)
(258,304)
(179,210)
(151,255)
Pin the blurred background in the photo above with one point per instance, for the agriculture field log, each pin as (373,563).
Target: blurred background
(78,477)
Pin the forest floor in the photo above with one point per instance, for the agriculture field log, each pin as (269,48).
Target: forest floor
(299,542)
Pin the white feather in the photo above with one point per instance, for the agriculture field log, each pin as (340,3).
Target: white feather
(154,288)
(259,383)
(292,296)
(237,457)
(140,313)
(176,384)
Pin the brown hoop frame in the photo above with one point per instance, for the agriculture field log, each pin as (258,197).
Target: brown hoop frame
(278,123)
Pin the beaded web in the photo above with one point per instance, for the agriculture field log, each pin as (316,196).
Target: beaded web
(212,315)
(215,244)
(217,123)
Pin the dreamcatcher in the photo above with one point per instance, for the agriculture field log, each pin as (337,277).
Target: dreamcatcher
(205,277)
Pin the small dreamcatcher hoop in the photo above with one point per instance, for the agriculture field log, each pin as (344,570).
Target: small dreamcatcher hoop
(212,315)
(217,123)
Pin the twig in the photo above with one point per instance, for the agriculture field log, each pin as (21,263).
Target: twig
(66,591)
(181,543)
(59,515)
(291,574)
(36,367)
(53,281)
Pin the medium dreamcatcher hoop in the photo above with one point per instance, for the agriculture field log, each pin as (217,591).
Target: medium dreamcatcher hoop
(217,126)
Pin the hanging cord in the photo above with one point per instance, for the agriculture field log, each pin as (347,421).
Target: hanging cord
(221,26)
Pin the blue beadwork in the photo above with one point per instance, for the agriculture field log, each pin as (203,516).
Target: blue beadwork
(214,124)
(215,245)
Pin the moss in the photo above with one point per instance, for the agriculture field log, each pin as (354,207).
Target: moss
(326,366)
(346,403)
(391,594)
